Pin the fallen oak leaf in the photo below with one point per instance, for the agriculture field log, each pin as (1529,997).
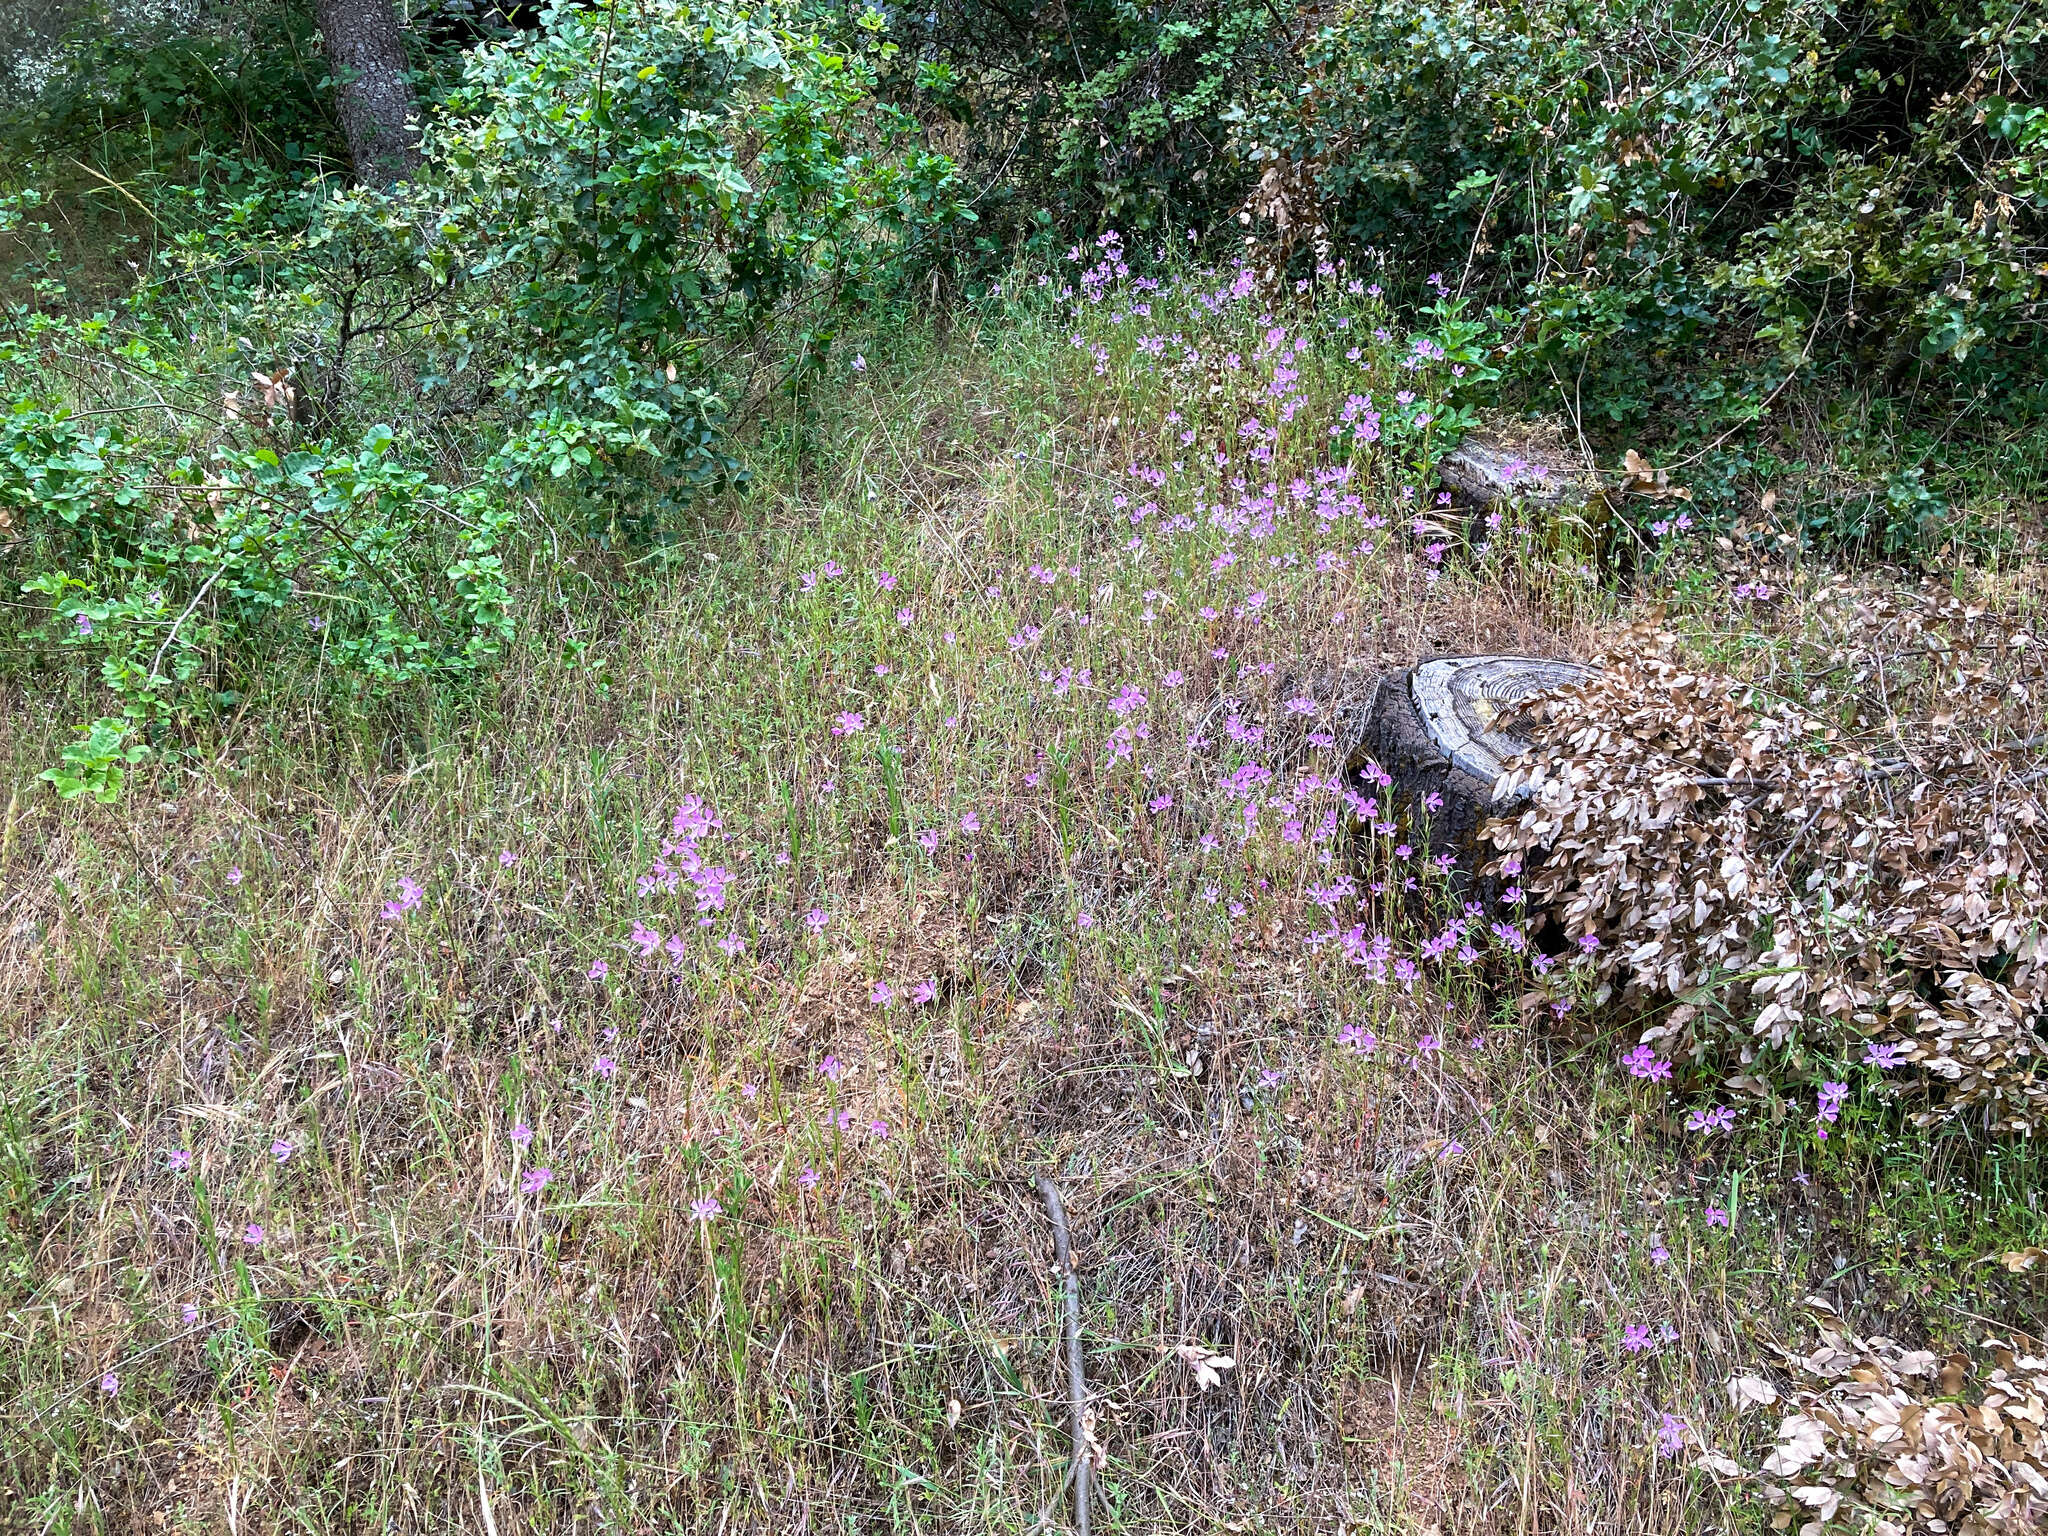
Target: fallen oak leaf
(1719,1464)
(1746,1391)
(1206,1363)
(2020,1261)
(1820,1498)
(1801,1442)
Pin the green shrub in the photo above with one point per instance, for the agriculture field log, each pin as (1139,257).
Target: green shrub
(141,91)
(1114,117)
(315,424)
(180,577)
(1654,184)
(646,215)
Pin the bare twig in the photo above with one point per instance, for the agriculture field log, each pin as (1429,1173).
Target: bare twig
(1077,1378)
(1798,837)
(1478,234)
(102,177)
(197,598)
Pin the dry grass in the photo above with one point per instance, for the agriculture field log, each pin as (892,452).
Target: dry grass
(1421,1261)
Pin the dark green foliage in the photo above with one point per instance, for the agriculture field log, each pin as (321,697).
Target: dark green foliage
(180,577)
(133,96)
(637,208)
(1785,186)
(1101,114)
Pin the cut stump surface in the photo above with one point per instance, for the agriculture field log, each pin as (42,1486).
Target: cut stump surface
(1434,729)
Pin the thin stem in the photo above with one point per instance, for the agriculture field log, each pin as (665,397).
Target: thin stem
(1077,1378)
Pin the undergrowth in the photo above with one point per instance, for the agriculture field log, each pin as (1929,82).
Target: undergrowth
(614,1103)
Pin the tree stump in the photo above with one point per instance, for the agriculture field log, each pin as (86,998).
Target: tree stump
(1524,462)
(1484,473)
(1433,730)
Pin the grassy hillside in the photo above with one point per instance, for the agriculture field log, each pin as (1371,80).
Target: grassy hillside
(613,1100)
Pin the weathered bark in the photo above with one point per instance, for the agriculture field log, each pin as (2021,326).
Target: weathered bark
(1484,473)
(366,55)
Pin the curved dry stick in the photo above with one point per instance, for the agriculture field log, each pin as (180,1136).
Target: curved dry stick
(1077,1378)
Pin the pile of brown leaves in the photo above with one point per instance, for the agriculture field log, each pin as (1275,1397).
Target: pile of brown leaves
(1892,1440)
(1762,875)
